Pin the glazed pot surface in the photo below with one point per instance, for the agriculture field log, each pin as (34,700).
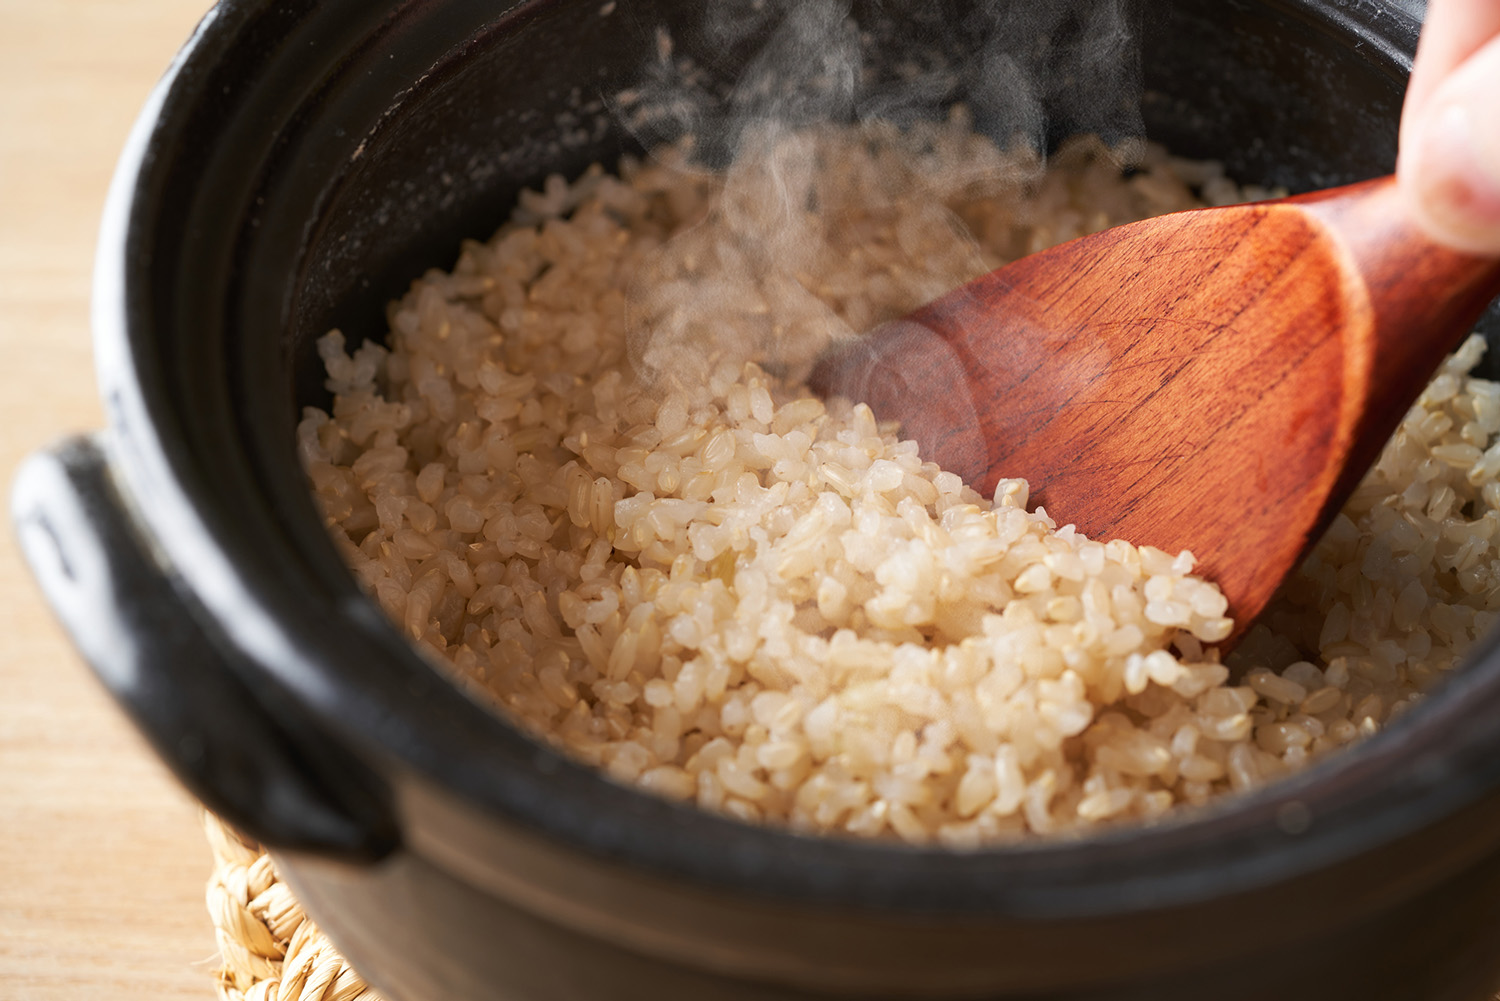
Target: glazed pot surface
(303,163)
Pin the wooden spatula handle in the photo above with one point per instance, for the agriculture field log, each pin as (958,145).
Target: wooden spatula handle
(1424,297)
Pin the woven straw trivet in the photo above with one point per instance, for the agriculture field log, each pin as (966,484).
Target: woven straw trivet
(268,949)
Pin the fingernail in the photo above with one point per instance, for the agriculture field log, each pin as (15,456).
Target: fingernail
(1455,186)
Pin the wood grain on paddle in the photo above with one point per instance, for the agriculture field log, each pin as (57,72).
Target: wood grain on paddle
(1215,380)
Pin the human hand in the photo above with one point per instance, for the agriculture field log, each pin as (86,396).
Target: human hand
(1449,167)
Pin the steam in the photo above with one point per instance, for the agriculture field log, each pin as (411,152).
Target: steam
(839,140)
(1053,68)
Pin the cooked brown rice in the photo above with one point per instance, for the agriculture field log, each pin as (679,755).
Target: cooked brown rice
(574,478)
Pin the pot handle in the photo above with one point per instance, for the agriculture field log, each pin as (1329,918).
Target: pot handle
(135,625)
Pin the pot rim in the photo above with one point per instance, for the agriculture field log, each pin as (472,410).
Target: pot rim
(1423,768)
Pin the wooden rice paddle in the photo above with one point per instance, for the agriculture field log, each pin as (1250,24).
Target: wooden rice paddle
(1215,380)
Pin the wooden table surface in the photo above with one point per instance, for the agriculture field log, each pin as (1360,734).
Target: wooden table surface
(102,862)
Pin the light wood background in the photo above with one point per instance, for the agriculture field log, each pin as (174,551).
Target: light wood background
(102,863)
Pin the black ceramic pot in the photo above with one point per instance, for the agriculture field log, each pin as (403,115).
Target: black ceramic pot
(300,163)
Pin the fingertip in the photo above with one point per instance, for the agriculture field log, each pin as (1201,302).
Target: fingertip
(1449,168)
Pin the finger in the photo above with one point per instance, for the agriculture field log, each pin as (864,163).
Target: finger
(1454,31)
(1449,169)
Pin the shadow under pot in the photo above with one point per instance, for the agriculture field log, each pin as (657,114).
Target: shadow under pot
(298,166)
